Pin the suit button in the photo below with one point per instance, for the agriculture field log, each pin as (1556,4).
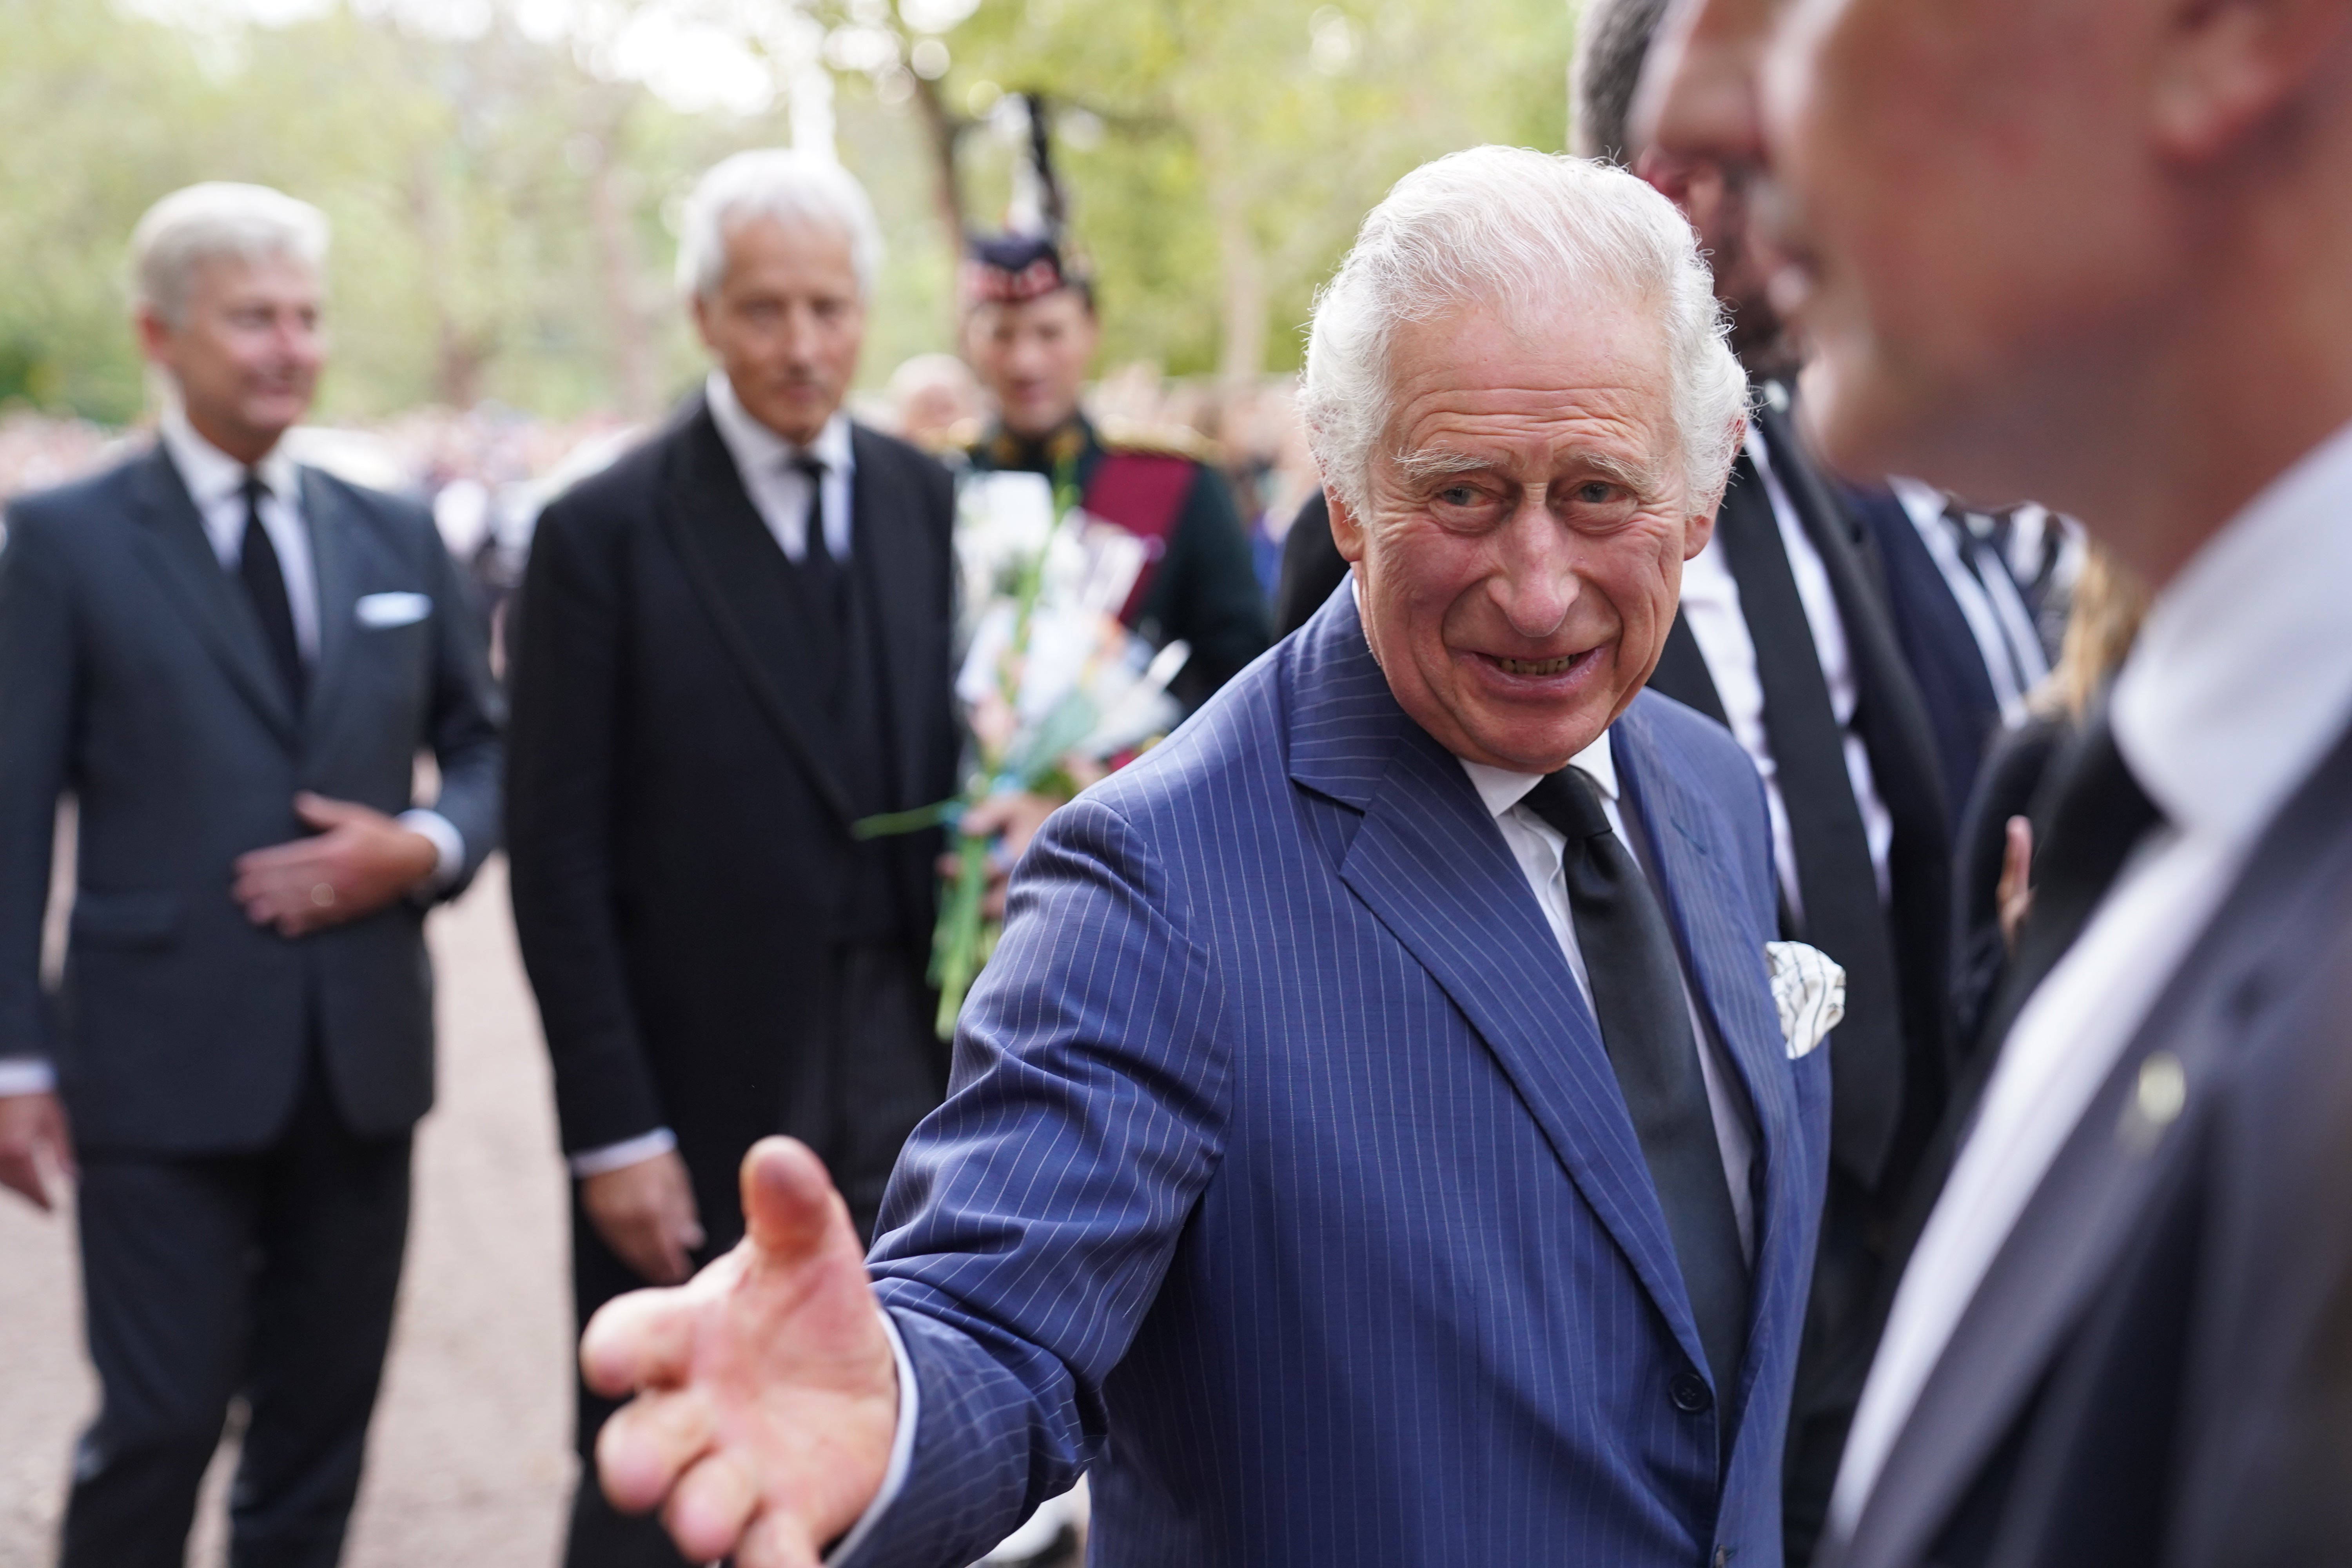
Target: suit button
(1723,1557)
(1689,1392)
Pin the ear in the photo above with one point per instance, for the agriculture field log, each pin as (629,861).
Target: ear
(154,336)
(1698,525)
(699,308)
(2226,68)
(1347,529)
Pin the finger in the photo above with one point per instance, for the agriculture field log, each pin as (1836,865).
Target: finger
(788,1200)
(323,813)
(648,1444)
(776,1540)
(641,1339)
(708,1508)
(22,1175)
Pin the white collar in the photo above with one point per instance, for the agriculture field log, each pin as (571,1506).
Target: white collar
(2242,676)
(211,474)
(758,450)
(1501,789)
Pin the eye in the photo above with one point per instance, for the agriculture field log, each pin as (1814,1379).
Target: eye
(1596,492)
(1458,495)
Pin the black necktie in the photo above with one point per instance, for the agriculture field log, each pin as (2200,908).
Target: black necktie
(2097,813)
(821,576)
(1631,963)
(1842,915)
(265,585)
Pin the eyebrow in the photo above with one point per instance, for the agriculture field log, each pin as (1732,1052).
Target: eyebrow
(1439,464)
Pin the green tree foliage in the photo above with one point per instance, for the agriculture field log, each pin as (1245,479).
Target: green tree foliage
(501,209)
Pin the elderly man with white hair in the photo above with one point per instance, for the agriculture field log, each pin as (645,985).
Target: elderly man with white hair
(731,645)
(232,661)
(1375,1140)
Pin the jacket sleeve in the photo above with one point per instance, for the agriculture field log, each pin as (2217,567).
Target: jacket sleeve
(1219,606)
(1032,1218)
(561,758)
(39,671)
(469,717)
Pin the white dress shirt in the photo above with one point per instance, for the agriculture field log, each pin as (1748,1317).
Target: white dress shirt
(2219,737)
(1995,611)
(1539,849)
(1710,604)
(215,483)
(770,467)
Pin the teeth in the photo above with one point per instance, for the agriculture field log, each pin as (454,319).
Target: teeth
(1536,666)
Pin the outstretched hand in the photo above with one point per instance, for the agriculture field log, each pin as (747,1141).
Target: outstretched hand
(767,1397)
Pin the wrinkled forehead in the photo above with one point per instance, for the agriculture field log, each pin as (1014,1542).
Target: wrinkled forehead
(1595,368)
(230,275)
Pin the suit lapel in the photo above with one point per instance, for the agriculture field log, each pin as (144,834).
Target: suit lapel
(720,541)
(1428,862)
(172,539)
(884,531)
(1727,969)
(2085,1210)
(334,545)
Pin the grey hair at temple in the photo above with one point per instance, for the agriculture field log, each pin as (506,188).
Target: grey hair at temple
(795,188)
(218,220)
(1527,233)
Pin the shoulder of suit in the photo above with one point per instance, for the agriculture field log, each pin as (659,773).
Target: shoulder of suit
(65,509)
(1659,719)
(1157,441)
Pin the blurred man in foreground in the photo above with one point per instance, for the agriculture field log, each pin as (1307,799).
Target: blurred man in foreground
(1030,332)
(1374,1141)
(232,662)
(733,646)
(2096,251)
(1784,634)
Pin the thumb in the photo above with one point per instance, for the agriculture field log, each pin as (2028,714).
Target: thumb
(789,1205)
(318,810)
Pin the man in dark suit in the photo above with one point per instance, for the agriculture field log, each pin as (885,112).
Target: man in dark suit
(734,646)
(2120,1339)
(231,662)
(1374,1141)
(1784,634)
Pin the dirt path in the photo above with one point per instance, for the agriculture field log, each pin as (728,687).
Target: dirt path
(470,1459)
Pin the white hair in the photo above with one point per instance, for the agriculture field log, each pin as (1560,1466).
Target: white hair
(212,221)
(793,187)
(1532,233)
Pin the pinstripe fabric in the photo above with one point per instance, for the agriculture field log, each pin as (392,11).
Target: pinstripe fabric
(1284,1183)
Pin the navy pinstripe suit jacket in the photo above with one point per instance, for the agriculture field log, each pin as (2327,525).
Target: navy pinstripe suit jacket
(1284,1185)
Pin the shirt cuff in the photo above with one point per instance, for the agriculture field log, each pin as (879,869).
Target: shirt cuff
(448,847)
(26,1075)
(902,1450)
(627,1151)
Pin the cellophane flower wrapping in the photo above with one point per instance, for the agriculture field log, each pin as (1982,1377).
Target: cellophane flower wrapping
(1055,687)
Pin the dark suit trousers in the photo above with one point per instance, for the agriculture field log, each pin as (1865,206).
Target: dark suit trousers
(268,1275)
(873,1073)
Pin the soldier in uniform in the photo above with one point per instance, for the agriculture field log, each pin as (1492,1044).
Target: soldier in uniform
(1030,334)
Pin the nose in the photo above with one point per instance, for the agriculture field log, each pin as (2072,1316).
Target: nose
(1698,97)
(1536,581)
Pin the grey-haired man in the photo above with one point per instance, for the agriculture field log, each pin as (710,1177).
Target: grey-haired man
(231,661)
(734,643)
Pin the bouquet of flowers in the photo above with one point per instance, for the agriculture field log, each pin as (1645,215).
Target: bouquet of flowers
(1057,690)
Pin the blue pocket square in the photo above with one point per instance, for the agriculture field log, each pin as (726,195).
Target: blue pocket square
(379,611)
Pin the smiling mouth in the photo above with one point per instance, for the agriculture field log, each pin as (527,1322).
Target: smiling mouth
(1536,667)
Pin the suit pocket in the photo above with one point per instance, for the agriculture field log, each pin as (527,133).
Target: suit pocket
(124,920)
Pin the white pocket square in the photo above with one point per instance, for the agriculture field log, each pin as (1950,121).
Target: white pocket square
(378,611)
(1809,987)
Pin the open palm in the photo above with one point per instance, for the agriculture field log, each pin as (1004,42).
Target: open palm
(766,1391)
